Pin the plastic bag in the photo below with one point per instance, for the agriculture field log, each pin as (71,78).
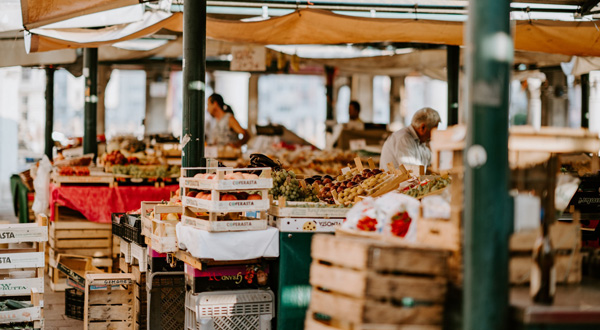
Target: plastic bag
(42,187)
(436,206)
(398,213)
(362,216)
(566,187)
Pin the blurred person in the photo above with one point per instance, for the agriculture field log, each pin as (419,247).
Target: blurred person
(410,145)
(354,112)
(225,130)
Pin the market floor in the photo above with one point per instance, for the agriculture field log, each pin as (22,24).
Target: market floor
(54,311)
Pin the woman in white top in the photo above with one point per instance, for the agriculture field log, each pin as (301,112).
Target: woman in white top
(226,129)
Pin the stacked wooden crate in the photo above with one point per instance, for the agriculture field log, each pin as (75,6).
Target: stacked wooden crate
(363,283)
(109,302)
(77,236)
(140,298)
(22,270)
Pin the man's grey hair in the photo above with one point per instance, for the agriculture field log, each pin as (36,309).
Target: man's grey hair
(427,116)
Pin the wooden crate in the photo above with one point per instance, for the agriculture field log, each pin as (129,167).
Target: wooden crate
(140,298)
(25,260)
(108,302)
(161,232)
(360,282)
(80,235)
(214,222)
(124,266)
(97,178)
(29,314)
(566,241)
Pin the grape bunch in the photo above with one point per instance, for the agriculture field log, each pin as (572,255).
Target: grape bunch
(287,185)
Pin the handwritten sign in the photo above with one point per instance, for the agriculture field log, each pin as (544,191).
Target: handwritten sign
(248,58)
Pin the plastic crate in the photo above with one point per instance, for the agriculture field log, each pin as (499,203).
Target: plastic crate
(117,229)
(166,300)
(157,262)
(74,303)
(133,229)
(229,310)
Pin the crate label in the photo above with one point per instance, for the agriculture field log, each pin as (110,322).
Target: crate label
(21,286)
(23,233)
(21,315)
(225,225)
(227,206)
(22,260)
(71,274)
(227,277)
(308,212)
(113,282)
(308,224)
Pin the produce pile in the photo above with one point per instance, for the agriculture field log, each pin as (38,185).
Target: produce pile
(74,171)
(146,172)
(352,184)
(287,185)
(10,305)
(308,162)
(420,189)
(230,196)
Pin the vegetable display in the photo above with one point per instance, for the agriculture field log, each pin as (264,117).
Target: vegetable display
(287,185)
(427,187)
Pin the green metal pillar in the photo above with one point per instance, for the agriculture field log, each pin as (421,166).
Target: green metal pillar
(329,76)
(48,142)
(194,80)
(585,100)
(90,72)
(453,69)
(487,207)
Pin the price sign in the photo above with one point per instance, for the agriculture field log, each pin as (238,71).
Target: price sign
(248,58)
(211,152)
(358,144)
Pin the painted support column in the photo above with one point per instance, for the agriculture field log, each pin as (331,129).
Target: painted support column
(194,82)
(585,100)
(453,71)
(48,142)
(487,207)
(90,72)
(253,102)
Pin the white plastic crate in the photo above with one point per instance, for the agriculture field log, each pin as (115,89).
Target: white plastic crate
(229,310)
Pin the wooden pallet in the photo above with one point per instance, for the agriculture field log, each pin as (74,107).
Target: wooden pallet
(108,302)
(359,281)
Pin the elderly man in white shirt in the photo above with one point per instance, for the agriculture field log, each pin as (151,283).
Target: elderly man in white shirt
(410,145)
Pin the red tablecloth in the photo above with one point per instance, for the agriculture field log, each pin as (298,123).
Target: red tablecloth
(97,203)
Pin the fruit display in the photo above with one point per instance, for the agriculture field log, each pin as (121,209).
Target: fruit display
(427,186)
(285,184)
(230,196)
(74,171)
(145,172)
(308,162)
(348,186)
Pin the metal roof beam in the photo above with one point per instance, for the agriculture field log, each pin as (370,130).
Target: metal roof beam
(587,7)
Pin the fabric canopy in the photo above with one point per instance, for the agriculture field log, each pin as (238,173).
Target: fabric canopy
(311,26)
(38,13)
(41,40)
(13,54)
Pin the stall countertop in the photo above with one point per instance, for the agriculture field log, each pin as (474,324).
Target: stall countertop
(573,304)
